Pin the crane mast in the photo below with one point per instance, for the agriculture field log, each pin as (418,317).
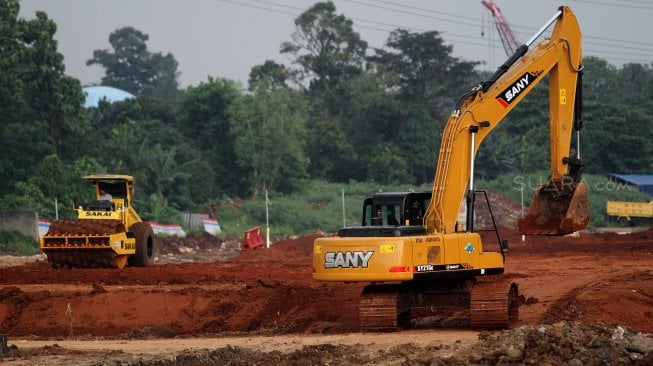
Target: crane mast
(508,38)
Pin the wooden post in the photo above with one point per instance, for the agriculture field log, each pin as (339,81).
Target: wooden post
(3,345)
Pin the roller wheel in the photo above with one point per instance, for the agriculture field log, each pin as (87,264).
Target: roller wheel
(144,255)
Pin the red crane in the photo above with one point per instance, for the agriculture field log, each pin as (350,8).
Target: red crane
(508,37)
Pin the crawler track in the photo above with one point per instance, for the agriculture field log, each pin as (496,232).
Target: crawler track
(379,308)
(491,303)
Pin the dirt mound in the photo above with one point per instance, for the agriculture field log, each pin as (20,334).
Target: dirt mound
(578,291)
(195,247)
(505,212)
(287,251)
(625,297)
(564,343)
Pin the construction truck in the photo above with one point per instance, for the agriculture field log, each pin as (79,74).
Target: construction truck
(107,234)
(418,259)
(627,213)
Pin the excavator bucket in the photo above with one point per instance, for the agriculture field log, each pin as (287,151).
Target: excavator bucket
(556,210)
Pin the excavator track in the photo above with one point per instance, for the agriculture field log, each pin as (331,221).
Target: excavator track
(83,244)
(479,304)
(493,304)
(379,308)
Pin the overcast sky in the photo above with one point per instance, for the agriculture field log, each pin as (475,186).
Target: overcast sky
(225,38)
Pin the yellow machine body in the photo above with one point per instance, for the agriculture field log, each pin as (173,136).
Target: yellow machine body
(103,234)
(381,259)
(626,211)
(430,252)
(118,242)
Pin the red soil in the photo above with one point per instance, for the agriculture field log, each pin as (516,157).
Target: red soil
(606,278)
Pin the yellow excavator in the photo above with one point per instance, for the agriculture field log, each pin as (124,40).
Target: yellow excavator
(107,234)
(419,259)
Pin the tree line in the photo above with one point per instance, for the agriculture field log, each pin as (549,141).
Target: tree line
(340,112)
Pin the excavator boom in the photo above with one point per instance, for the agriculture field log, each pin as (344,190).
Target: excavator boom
(560,206)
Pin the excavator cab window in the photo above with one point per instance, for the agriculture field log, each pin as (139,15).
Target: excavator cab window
(391,215)
(381,215)
(415,209)
(395,209)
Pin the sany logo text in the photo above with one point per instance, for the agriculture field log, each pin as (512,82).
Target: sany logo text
(511,92)
(356,259)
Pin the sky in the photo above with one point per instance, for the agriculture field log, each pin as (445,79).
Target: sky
(226,38)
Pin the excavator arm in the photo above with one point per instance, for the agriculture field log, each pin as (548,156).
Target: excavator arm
(558,207)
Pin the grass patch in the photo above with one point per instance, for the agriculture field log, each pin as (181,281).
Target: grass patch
(14,242)
(319,205)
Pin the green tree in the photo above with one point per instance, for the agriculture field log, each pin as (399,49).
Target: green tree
(268,132)
(327,51)
(140,137)
(62,181)
(619,139)
(618,104)
(426,80)
(425,70)
(369,127)
(274,75)
(329,150)
(42,110)
(204,119)
(418,140)
(131,67)
(378,123)
(164,172)
(329,56)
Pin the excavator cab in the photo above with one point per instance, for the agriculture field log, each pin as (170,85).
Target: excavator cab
(391,214)
(395,209)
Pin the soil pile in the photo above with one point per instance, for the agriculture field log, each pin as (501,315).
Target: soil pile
(586,297)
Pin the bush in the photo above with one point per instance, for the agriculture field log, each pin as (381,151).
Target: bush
(14,242)
(318,205)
